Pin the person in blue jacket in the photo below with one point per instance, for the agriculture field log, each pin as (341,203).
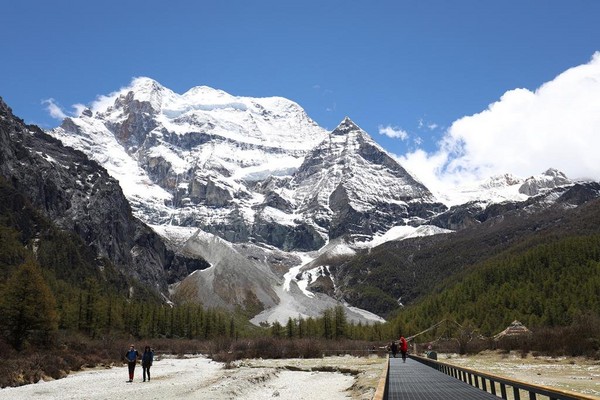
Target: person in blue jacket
(147,359)
(131,356)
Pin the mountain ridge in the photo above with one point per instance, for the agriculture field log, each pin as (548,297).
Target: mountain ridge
(186,160)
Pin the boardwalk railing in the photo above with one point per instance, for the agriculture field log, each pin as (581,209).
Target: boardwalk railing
(500,386)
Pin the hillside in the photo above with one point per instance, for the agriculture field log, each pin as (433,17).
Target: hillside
(404,271)
(547,285)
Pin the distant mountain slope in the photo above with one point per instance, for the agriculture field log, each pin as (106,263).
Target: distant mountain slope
(79,197)
(403,271)
(551,283)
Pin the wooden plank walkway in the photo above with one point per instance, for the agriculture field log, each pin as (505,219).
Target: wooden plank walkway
(416,381)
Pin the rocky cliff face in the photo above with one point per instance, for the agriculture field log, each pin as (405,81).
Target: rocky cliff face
(79,196)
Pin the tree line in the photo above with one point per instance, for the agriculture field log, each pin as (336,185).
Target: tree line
(549,285)
(51,281)
(55,289)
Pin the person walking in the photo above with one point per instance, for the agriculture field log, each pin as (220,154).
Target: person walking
(394,348)
(403,347)
(147,359)
(131,356)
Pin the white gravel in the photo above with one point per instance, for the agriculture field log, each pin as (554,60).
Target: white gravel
(190,378)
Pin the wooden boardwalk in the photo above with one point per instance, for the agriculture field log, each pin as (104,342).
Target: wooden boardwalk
(416,381)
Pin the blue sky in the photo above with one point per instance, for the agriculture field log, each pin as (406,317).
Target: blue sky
(407,69)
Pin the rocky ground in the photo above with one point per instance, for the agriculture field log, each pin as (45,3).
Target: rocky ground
(198,377)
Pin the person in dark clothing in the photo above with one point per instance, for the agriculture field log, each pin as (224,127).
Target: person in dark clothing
(131,356)
(394,348)
(147,359)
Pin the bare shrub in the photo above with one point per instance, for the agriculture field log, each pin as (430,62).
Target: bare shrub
(8,372)
(582,337)
(277,348)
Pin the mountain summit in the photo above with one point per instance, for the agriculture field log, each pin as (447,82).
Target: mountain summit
(348,184)
(245,169)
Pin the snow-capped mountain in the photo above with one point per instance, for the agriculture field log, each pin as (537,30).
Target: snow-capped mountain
(264,195)
(506,187)
(537,184)
(349,185)
(260,180)
(245,169)
(189,159)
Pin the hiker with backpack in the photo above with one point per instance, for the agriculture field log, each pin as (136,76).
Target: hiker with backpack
(131,357)
(403,347)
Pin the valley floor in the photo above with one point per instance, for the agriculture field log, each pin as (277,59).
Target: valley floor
(198,377)
(339,377)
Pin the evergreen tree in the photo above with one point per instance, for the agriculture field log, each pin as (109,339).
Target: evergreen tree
(276,329)
(28,307)
(341,322)
(289,328)
(328,329)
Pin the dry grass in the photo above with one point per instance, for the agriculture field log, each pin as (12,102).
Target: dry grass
(577,374)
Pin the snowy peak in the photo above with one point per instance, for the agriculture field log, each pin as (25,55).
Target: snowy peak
(346,126)
(192,159)
(550,179)
(349,185)
(141,91)
(146,89)
(501,181)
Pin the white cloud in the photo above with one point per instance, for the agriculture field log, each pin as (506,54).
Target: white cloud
(103,102)
(393,132)
(78,109)
(428,125)
(57,112)
(54,109)
(523,133)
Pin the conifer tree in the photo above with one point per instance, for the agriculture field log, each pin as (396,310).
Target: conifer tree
(341,322)
(328,324)
(28,306)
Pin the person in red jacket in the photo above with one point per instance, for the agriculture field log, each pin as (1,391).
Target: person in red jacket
(403,347)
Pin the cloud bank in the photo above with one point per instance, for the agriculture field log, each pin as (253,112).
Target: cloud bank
(524,133)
